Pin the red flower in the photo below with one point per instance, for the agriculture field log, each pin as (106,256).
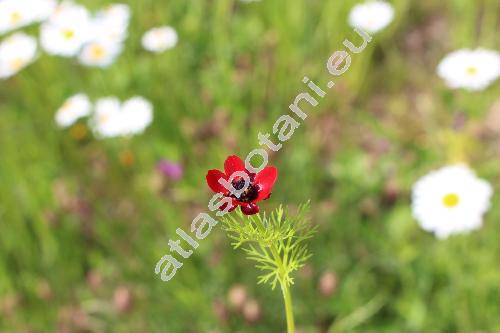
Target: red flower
(259,188)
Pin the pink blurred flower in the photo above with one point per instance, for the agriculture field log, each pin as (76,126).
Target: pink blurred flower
(170,169)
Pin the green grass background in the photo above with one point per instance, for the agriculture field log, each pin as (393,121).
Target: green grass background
(72,206)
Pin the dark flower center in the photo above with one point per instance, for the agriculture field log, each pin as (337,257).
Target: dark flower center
(251,193)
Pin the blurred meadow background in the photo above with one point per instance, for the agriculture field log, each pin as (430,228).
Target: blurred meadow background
(83,221)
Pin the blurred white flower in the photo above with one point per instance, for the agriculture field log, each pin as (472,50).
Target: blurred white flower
(97,41)
(450,200)
(106,121)
(371,16)
(118,12)
(67,29)
(111,23)
(159,39)
(73,108)
(16,52)
(137,113)
(42,9)
(19,13)
(109,30)
(13,14)
(112,119)
(470,69)
(100,54)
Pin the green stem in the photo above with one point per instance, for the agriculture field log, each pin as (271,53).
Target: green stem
(287,297)
(290,324)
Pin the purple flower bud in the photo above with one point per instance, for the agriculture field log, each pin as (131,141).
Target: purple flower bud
(170,169)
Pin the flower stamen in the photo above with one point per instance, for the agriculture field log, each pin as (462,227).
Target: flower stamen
(15,17)
(16,64)
(471,70)
(251,192)
(451,200)
(96,52)
(68,34)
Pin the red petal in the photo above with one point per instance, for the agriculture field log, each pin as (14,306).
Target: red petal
(213,177)
(234,204)
(232,164)
(250,209)
(266,179)
(238,203)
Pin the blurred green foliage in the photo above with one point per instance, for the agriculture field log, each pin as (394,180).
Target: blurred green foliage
(83,222)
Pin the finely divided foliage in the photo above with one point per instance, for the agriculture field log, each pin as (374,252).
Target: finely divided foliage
(276,242)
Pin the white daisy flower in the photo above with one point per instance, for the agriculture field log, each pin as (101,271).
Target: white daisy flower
(119,13)
(75,107)
(106,121)
(159,39)
(68,28)
(371,16)
(19,13)
(472,70)
(42,9)
(112,119)
(450,200)
(12,15)
(110,24)
(137,113)
(100,54)
(16,52)
(109,30)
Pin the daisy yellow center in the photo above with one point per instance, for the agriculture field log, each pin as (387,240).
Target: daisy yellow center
(471,70)
(103,118)
(66,107)
(451,200)
(159,34)
(96,52)
(58,10)
(15,17)
(16,64)
(68,34)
